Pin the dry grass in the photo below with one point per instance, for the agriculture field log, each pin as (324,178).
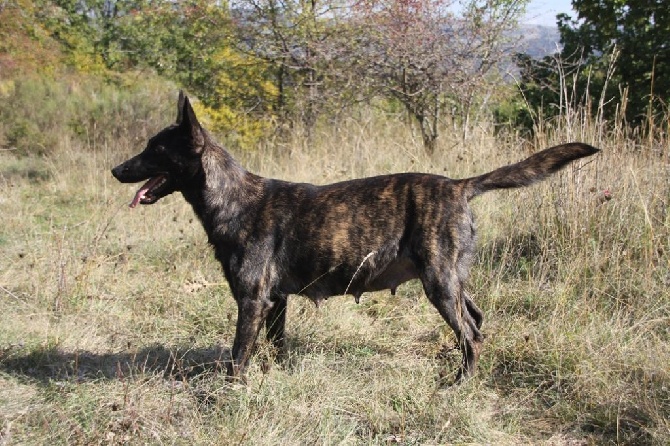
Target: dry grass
(115,321)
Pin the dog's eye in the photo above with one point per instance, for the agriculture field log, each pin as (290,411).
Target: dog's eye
(159,149)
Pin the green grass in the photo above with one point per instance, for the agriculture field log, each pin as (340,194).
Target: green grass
(115,322)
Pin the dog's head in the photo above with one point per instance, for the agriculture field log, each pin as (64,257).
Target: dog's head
(171,159)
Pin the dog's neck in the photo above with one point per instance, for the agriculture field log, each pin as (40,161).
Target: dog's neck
(229,191)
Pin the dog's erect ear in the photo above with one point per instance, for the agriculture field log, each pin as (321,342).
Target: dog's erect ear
(180,106)
(186,119)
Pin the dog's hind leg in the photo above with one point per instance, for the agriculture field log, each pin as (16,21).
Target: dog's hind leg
(275,322)
(445,291)
(474,311)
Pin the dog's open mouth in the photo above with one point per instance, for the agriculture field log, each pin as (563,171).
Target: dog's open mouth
(150,192)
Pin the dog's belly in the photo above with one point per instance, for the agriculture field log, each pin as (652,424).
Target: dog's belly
(389,277)
(397,272)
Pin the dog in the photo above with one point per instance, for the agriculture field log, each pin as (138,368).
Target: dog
(274,238)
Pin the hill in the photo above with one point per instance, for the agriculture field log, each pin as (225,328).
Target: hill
(537,40)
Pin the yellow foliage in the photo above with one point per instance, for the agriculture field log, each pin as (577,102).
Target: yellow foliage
(88,63)
(238,128)
(7,87)
(245,95)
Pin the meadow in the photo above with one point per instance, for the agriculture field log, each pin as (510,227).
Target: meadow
(115,322)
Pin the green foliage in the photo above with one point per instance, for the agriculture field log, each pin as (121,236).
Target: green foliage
(74,25)
(38,114)
(171,38)
(615,50)
(514,112)
(639,32)
(192,44)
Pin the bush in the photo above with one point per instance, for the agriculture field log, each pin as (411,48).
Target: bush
(40,113)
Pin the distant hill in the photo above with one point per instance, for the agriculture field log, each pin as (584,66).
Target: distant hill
(537,40)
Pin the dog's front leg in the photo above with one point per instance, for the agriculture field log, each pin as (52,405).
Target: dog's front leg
(251,313)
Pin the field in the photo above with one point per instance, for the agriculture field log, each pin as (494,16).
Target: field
(114,321)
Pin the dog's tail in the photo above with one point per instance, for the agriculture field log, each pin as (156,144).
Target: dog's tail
(526,172)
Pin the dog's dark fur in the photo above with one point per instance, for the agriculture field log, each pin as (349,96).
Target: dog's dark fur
(275,238)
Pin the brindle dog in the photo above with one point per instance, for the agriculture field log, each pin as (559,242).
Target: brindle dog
(275,238)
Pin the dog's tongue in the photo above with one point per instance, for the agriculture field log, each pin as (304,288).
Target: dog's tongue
(144,189)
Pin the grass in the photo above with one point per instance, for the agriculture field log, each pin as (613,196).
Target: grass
(115,321)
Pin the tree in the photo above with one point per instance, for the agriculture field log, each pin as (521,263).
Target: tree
(300,40)
(177,39)
(329,54)
(421,54)
(192,43)
(614,48)
(24,43)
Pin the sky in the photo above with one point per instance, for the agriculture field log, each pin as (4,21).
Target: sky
(543,12)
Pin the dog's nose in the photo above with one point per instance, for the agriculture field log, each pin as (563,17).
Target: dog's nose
(117,171)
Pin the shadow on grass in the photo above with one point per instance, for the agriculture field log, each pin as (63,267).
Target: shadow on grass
(49,364)
(46,365)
